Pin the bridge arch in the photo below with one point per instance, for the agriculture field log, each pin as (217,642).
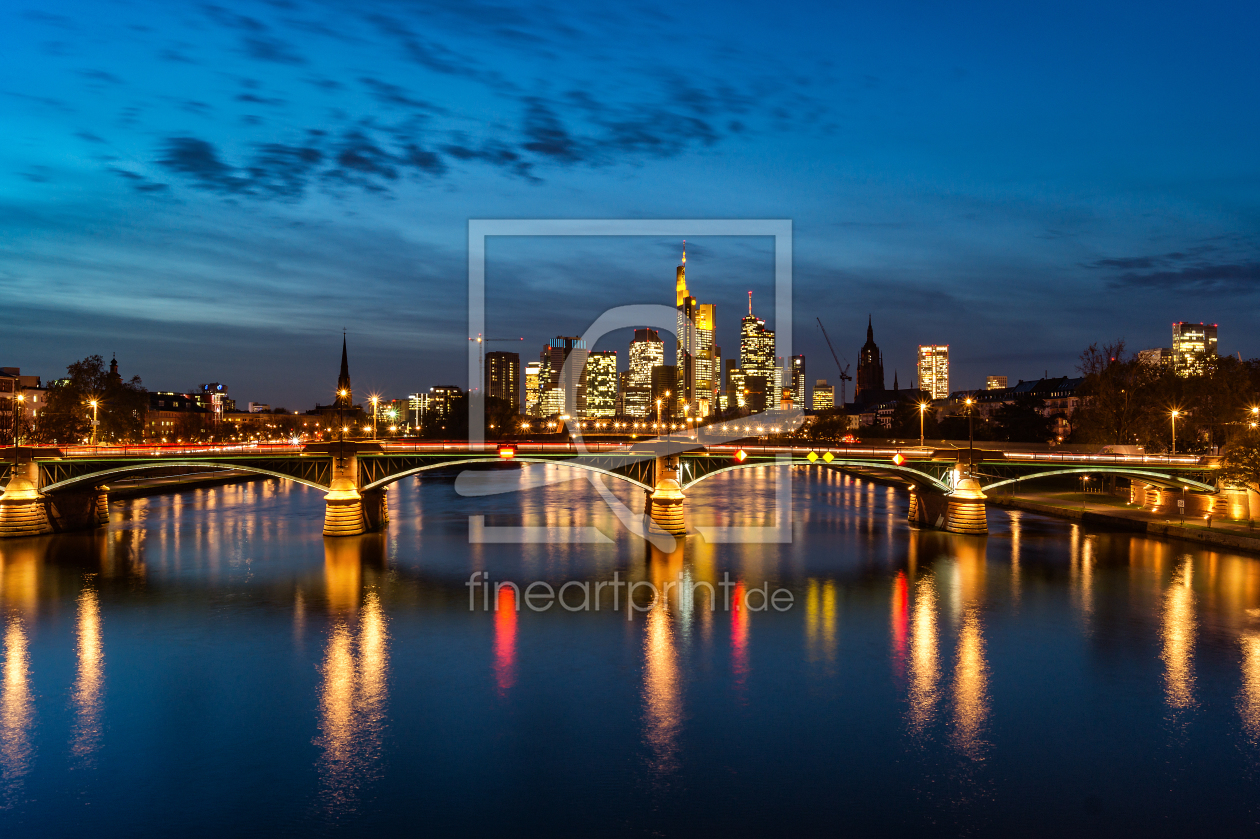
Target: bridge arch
(912,476)
(103,475)
(572,464)
(1154,478)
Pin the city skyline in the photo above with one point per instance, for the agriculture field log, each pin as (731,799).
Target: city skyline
(298,193)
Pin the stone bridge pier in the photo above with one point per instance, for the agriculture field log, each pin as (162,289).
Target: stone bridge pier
(349,511)
(664,504)
(26,511)
(961,511)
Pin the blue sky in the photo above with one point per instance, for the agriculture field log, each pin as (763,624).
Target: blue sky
(214,191)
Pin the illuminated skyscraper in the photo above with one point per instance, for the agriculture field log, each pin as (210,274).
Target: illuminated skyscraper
(798,382)
(533,380)
(503,377)
(601,384)
(934,370)
(687,340)
(1192,345)
(824,395)
(563,384)
(756,349)
(647,350)
(706,362)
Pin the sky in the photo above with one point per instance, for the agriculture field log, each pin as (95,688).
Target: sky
(214,192)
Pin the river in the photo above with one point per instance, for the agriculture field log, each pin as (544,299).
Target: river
(211,665)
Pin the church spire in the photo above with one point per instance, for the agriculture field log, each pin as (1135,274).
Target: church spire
(870,331)
(895,381)
(345,394)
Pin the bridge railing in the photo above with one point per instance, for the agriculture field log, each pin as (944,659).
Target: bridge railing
(167,450)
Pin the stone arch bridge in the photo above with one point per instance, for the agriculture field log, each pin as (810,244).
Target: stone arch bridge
(50,489)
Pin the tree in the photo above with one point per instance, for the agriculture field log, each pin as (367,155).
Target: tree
(830,426)
(1240,462)
(68,417)
(1023,420)
(1117,396)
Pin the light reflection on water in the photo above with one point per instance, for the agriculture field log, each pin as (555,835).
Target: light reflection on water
(987,652)
(90,675)
(1178,630)
(17,708)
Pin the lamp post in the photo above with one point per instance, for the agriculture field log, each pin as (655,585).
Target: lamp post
(94,403)
(922,413)
(1174,413)
(971,443)
(18,399)
(374,400)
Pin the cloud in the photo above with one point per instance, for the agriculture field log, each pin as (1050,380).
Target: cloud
(546,135)
(392,94)
(138,182)
(260,100)
(99,76)
(89,136)
(1229,278)
(283,171)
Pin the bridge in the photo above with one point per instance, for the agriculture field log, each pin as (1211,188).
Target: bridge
(56,489)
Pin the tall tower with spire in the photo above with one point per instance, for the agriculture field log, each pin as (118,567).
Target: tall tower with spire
(688,349)
(870,371)
(345,393)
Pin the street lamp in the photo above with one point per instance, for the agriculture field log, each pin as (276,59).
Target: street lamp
(971,443)
(1174,413)
(94,403)
(922,411)
(374,399)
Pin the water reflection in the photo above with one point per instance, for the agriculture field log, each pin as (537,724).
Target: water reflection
(90,675)
(820,622)
(355,679)
(1177,630)
(17,709)
(900,623)
(1249,700)
(505,639)
(662,690)
(924,667)
(739,637)
(971,678)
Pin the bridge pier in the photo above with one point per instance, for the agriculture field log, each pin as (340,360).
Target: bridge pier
(22,510)
(966,511)
(664,504)
(375,509)
(343,505)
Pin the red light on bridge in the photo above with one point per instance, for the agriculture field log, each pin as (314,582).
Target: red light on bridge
(741,456)
(899,459)
(507,452)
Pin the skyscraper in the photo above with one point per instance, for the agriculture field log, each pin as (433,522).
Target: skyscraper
(798,382)
(870,371)
(601,384)
(503,377)
(756,349)
(533,389)
(1192,345)
(647,350)
(706,362)
(687,340)
(564,368)
(824,395)
(934,370)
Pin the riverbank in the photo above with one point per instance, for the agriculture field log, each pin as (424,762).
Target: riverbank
(1113,512)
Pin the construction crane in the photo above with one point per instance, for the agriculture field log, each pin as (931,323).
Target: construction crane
(844,371)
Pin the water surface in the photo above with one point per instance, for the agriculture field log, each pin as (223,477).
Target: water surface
(210,664)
